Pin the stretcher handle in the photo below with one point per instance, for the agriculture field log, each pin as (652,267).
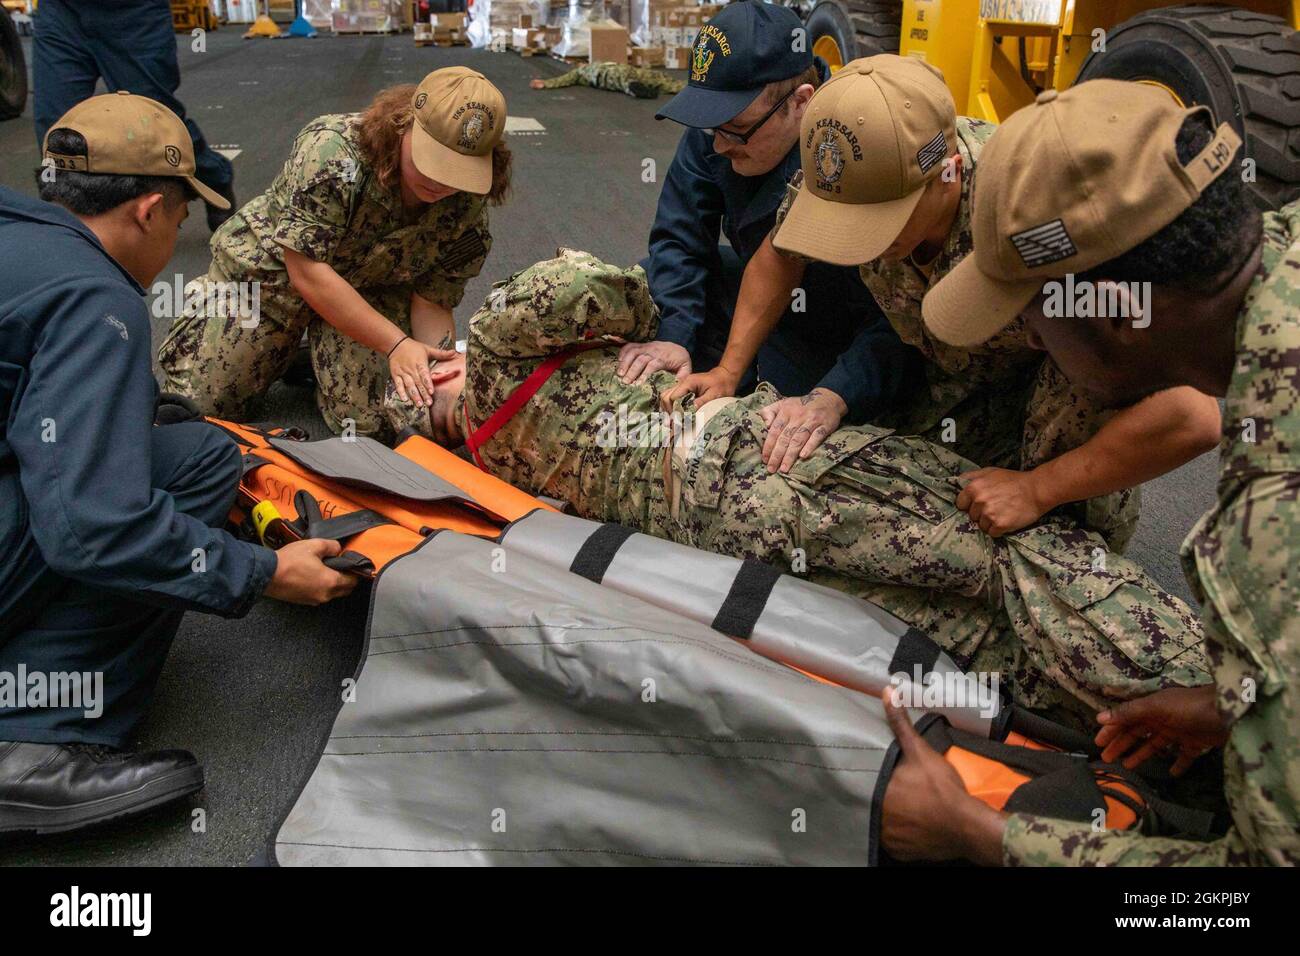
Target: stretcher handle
(351,562)
(273,531)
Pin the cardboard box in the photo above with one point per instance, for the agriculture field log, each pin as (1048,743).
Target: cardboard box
(677,58)
(685,17)
(526,21)
(527,38)
(673,36)
(651,56)
(449,21)
(608,43)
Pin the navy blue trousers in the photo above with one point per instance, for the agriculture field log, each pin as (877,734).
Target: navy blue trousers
(51,623)
(131,45)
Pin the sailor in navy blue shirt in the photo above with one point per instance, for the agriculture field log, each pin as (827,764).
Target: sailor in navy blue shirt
(110,526)
(833,347)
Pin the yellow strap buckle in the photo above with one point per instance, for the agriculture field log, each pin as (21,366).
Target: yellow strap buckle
(264,512)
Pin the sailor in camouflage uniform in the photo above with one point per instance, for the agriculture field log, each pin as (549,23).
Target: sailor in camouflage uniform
(638,81)
(406,230)
(999,404)
(1224,314)
(1069,626)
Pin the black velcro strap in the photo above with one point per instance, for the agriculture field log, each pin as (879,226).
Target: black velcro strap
(311,524)
(1069,793)
(746,599)
(597,552)
(914,648)
(1174,819)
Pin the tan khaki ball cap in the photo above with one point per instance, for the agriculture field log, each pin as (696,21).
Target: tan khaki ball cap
(131,136)
(1074,180)
(871,138)
(459,117)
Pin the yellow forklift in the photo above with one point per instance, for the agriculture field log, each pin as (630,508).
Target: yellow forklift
(1241,60)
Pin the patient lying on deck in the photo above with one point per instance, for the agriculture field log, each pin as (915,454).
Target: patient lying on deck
(1068,625)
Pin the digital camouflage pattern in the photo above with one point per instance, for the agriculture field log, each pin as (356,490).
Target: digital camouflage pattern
(326,204)
(1242,560)
(1000,404)
(1067,624)
(638,81)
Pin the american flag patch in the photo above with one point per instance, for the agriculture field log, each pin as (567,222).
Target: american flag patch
(462,251)
(1044,244)
(932,152)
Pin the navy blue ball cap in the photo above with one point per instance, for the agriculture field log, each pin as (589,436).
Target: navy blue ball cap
(748,45)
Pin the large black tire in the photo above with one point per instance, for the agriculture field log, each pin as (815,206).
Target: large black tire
(856,28)
(13,70)
(876,24)
(1245,66)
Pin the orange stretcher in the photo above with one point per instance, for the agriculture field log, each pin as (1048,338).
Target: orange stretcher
(381,511)
(281,499)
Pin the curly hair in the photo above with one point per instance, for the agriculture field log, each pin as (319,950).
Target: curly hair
(386,121)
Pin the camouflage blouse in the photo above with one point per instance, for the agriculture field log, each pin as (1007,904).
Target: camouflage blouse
(1243,561)
(327,204)
(566,442)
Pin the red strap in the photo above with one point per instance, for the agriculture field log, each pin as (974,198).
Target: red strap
(476,438)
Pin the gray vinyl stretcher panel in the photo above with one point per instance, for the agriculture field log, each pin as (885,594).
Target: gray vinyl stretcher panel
(816,628)
(501,717)
(365,463)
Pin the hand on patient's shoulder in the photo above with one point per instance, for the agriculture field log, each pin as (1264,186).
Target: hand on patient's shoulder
(637,361)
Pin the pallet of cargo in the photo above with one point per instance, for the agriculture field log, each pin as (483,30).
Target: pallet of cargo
(189,15)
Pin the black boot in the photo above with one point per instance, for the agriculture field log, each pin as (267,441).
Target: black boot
(300,372)
(52,788)
(217,216)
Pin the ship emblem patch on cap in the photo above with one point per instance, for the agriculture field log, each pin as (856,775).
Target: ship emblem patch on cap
(701,60)
(1044,244)
(173,155)
(471,130)
(420,100)
(932,152)
(830,161)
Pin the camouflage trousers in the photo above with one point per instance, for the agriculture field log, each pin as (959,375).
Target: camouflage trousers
(1069,625)
(1022,426)
(641,82)
(224,359)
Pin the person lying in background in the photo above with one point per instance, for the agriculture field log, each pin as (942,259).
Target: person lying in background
(637,81)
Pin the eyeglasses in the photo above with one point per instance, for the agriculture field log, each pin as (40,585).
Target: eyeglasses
(747,135)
